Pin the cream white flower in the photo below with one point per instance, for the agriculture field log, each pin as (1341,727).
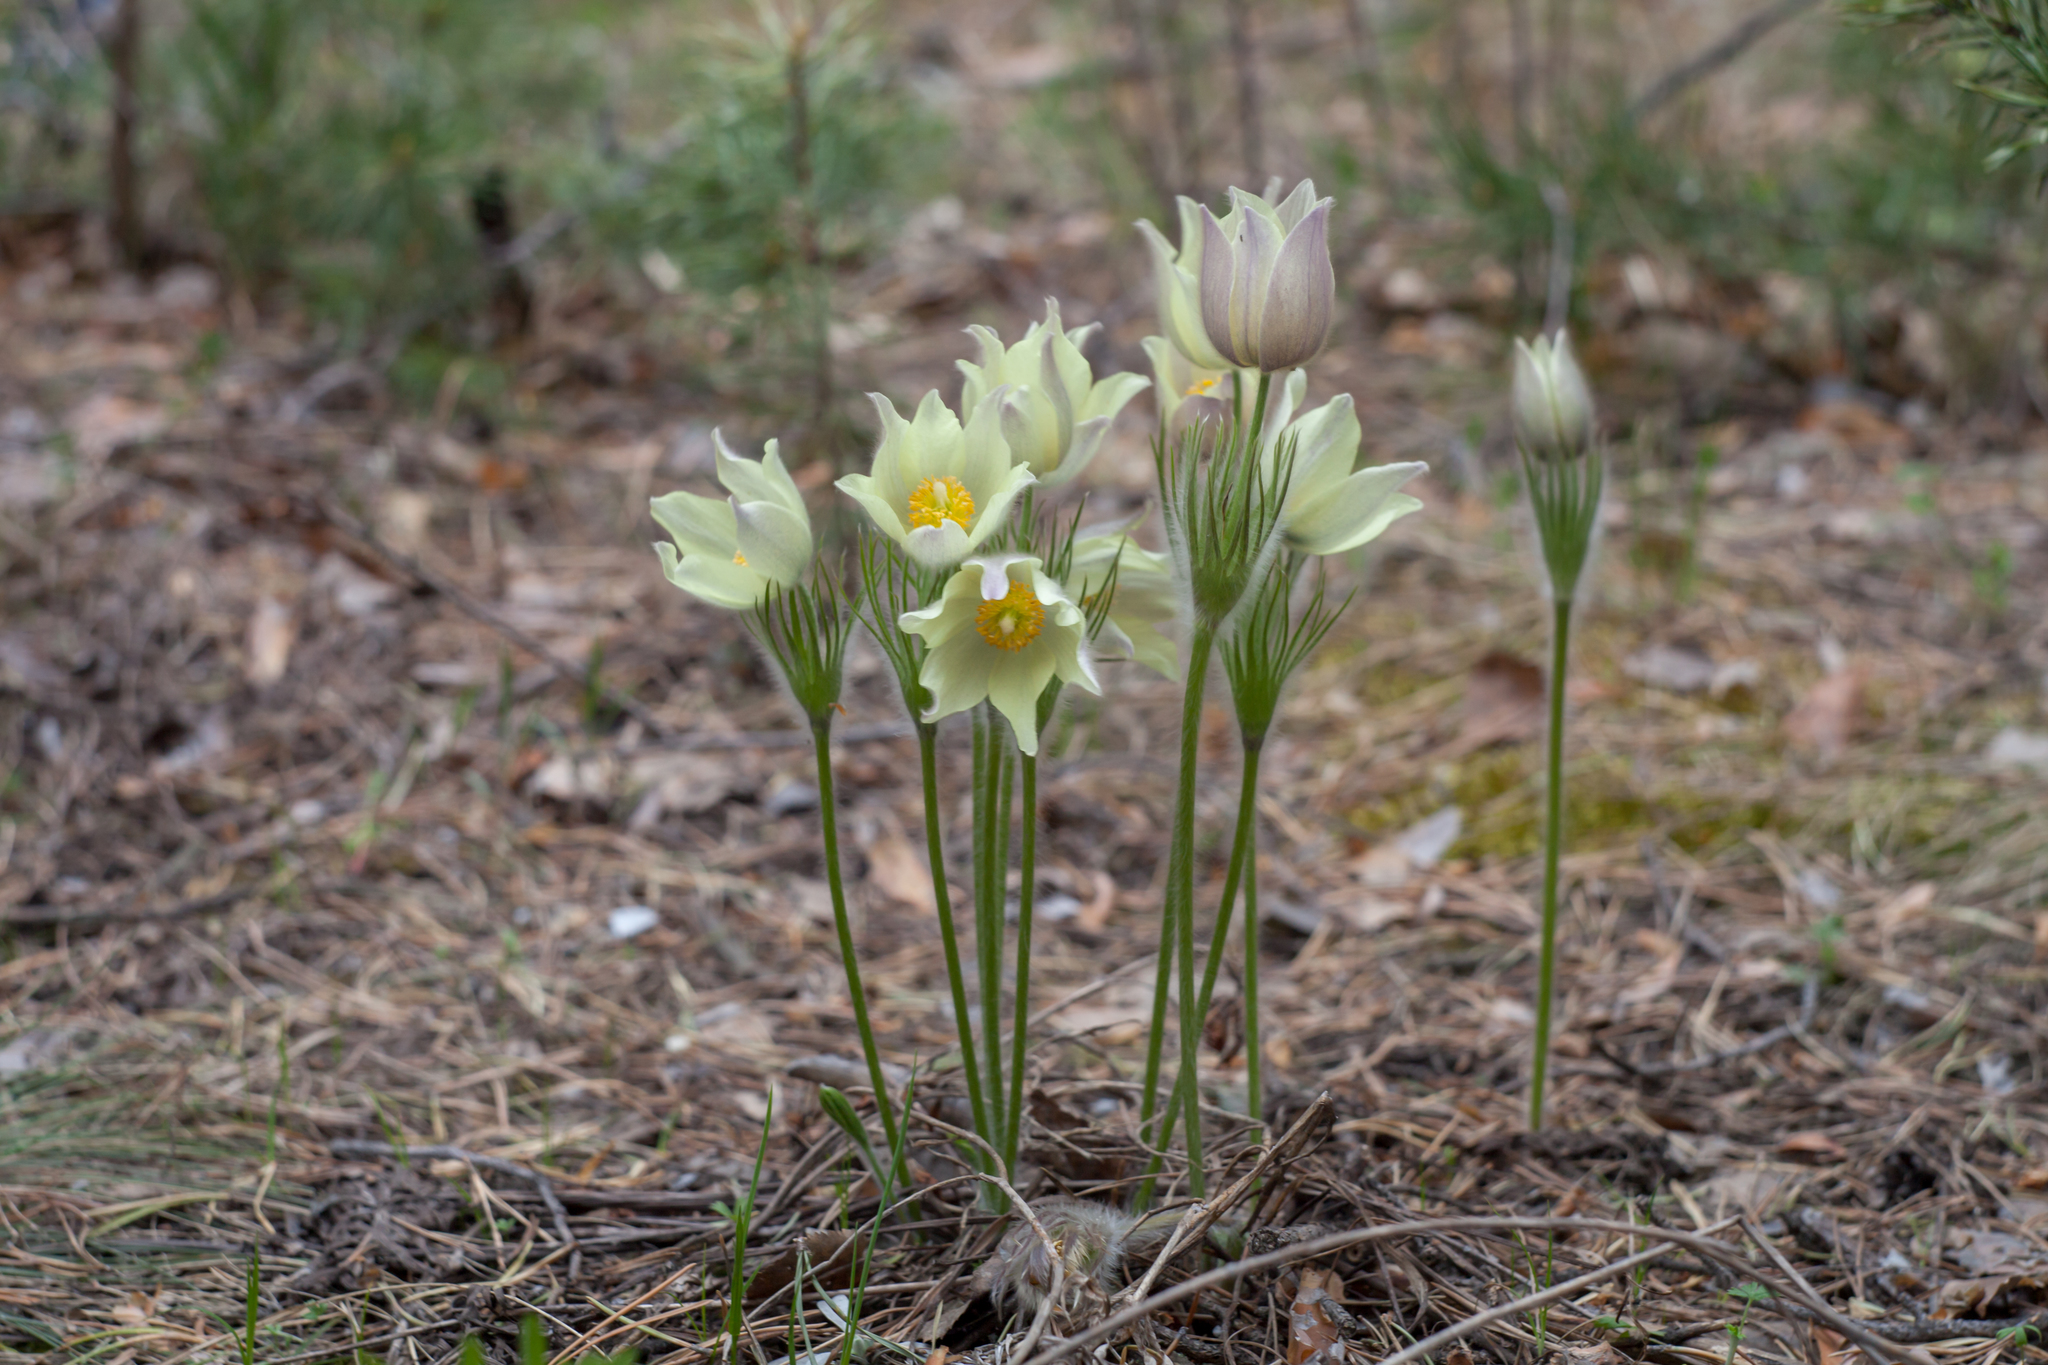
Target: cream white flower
(937,488)
(1177,275)
(1553,409)
(727,551)
(1146,598)
(1056,413)
(1187,393)
(1268,292)
(1331,507)
(1002,630)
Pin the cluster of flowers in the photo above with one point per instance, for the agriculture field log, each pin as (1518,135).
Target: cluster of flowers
(1246,295)
(984,603)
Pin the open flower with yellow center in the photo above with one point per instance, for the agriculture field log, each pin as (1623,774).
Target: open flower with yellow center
(1144,599)
(938,488)
(728,550)
(1001,630)
(1330,506)
(1055,414)
(1185,392)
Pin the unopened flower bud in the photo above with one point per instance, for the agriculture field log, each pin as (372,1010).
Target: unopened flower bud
(1553,409)
(1268,290)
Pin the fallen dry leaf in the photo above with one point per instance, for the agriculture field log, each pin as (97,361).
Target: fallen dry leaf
(1815,1144)
(1313,1337)
(1503,703)
(272,632)
(895,868)
(1826,717)
(105,422)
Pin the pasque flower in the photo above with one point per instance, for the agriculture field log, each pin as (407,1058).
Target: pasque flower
(1186,393)
(1553,409)
(1268,292)
(1177,274)
(937,488)
(1143,598)
(1055,413)
(1001,630)
(728,551)
(1330,506)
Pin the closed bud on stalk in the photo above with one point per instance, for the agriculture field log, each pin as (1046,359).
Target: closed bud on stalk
(1268,290)
(1553,409)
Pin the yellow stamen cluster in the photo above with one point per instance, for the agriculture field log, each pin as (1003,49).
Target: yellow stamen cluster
(1200,388)
(1013,620)
(739,559)
(941,500)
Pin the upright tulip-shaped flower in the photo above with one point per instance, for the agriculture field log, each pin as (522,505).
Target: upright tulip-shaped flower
(1145,598)
(1177,273)
(1002,629)
(1553,409)
(1331,507)
(1055,413)
(937,488)
(728,551)
(1268,291)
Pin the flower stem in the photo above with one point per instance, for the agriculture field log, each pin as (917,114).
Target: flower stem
(970,1065)
(1180,850)
(1242,849)
(1254,1075)
(1180,885)
(988,915)
(1258,411)
(1027,857)
(1553,841)
(828,817)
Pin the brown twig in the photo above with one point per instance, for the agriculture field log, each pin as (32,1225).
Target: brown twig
(1697,1242)
(1737,41)
(1202,1215)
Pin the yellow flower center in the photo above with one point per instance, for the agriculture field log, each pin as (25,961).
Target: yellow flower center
(739,559)
(1013,620)
(1200,388)
(941,500)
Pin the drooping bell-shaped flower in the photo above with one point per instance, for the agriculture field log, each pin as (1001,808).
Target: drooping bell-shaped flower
(1553,408)
(1001,630)
(1330,506)
(1143,598)
(938,488)
(1177,277)
(1268,291)
(1056,412)
(728,551)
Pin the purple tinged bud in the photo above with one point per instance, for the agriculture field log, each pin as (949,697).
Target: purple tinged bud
(1269,292)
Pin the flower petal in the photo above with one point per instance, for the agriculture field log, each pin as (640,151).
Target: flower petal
(887,513)
(957,672)
(1015,684)
(1219,287)
(1296,309)
(717,581)
(1080,452)
(699,525)
(1355,511)
(775,541)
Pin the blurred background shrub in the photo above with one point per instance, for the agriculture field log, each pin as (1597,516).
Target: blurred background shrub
(729,176)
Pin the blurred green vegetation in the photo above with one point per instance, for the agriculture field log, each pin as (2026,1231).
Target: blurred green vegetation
(374,163)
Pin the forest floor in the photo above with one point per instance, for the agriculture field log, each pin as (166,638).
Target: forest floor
(316,832)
